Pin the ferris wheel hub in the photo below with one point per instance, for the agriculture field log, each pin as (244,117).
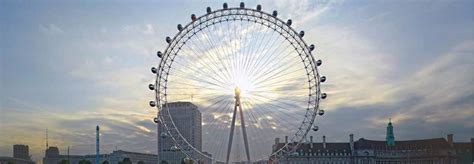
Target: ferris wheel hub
(237,92)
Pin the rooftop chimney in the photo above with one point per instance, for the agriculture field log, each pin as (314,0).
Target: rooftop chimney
(97,152)
(311,142)
(277,141)
(324,142)
(450,139)
(286,139)
(351,141)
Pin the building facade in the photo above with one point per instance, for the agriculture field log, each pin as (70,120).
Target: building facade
(390,151)
(187,119)
(21,152)
(316,153)
(52,156)
(11,160)
(21,155)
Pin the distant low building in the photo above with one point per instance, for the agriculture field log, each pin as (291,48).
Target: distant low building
(436,150)
(321,153)
(464,151)
(53,156)
(12,160)
(390,151)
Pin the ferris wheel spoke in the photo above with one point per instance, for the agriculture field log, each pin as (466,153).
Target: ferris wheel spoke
(275,59)
(248,45)
(252,123)
(288,106)
(288,67)
(225,50)
(201,71)
(215,126)
(218,48)
(276,82)
(278,76)
(202,81)
(261,37)
(266,53)
(212,64)
(195,76)
(278,115)
(249,55)
(258,49)
(269,59)
(187,79)
(240,48)
(212,67)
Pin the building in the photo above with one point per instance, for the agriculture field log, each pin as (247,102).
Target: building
(318,153)
(21,152)
(53,156)
(21,155)
(11,160)
(464,151)
(187,119)
(436,150)
(390,151)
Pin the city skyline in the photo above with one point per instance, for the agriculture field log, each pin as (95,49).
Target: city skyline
(68,66)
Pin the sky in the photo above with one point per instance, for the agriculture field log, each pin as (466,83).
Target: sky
(69,66)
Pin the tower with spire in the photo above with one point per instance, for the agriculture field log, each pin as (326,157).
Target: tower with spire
(390,136)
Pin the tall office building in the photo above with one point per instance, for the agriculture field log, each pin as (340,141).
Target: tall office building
(21,152)
(187,119)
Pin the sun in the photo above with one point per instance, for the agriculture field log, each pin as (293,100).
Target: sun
(244,82)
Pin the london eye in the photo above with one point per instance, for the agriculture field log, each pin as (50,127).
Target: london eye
(252,77)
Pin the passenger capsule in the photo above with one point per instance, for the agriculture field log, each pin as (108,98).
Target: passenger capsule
(155,120)
(225,6)
(259,7)
(275,13)
(319,62)
(323,79)
(174,147)
(242,5)
(168,39)
(289,22)
(324,95)
(311,47)
(301,34)
(193,17)
(163,135)
(315,128)
(154,70)
(159,54)
(186,159)
(151,86)
(180,27)
(208,10)
(152,103)
(321,112)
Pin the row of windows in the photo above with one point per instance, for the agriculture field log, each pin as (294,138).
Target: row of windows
(323,154)
(318,162)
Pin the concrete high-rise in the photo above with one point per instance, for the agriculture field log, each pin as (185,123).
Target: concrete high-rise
(187,119)
(21,152)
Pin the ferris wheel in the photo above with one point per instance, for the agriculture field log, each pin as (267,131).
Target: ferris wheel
(251,76)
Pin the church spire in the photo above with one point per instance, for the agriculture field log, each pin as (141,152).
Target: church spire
(390,136)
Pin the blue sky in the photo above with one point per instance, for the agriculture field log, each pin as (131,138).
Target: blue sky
(68,66)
